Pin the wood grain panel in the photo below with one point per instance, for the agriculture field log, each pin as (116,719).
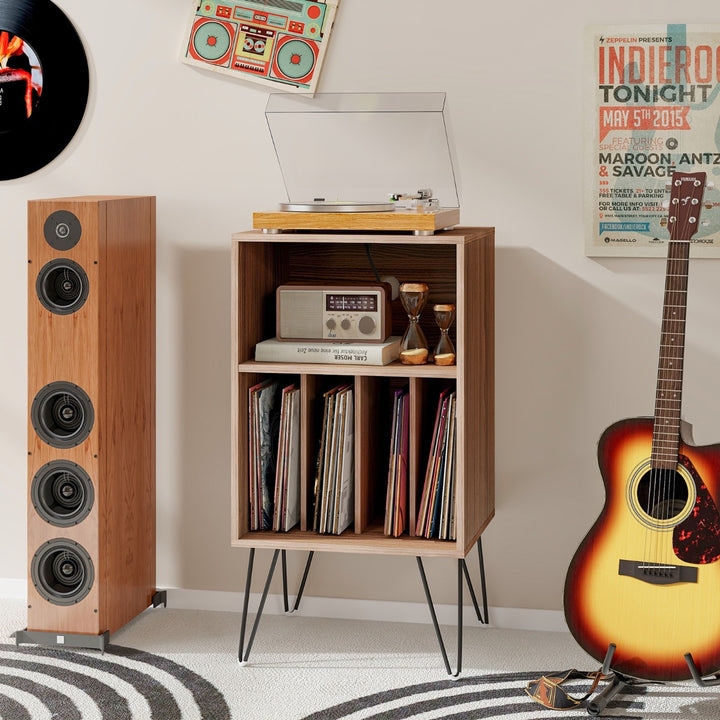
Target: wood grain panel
(476,401)
(395,221)
(458,266)
(127,433)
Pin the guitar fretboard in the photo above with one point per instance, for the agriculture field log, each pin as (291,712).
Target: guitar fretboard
(685,201)
(668,394)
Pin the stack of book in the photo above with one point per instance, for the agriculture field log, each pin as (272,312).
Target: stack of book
(397,484)
(436,515)
(335,470)
(341,353)
(274,429)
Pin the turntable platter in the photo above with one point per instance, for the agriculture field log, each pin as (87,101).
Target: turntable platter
(322,206)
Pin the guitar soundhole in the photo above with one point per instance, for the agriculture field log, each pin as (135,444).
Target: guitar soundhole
(662,494)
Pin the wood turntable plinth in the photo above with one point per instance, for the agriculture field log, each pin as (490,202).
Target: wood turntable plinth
(417,222)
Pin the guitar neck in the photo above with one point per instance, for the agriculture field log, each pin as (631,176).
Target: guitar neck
(685,202)
(668,393)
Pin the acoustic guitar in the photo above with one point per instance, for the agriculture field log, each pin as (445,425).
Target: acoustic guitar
(646,578)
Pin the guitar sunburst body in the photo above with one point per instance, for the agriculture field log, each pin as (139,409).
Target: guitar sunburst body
(653,616)
(646,578)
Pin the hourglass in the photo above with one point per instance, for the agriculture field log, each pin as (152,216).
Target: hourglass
(444,350)
(413,347)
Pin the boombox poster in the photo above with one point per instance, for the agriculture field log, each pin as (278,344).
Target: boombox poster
(272,42)
(654,110)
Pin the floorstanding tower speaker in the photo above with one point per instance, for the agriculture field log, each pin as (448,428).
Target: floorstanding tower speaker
(91,403)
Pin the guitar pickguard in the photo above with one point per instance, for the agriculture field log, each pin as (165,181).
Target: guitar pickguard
(696,540)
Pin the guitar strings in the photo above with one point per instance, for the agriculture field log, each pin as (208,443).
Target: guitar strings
(662,486)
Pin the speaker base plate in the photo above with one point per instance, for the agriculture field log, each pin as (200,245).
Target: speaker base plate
(54,639)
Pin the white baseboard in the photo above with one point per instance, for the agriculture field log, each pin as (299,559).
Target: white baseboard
(341,608)
(378,610)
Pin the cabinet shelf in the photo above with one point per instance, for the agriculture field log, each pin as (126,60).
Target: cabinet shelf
(393,369)
(371,542)
(458,266)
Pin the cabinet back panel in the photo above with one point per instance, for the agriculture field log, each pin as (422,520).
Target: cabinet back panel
(349,263)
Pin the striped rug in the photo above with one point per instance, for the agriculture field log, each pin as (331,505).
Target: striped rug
(127,684)
(121,684)
(471,698)
(171,664)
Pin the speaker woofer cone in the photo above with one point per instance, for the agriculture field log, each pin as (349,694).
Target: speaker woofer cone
(62,286)
(62,571)
(62,493)
(62,414)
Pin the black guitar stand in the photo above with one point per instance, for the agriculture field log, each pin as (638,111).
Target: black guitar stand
(463,577)
(620,683)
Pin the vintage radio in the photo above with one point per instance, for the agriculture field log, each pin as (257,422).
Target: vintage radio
(334,313)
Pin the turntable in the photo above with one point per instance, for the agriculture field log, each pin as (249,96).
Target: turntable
(352,162)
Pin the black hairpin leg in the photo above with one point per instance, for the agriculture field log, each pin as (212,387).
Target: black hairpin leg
(481,616)
(284,580)
(244,653)
(302,582)
(462,571)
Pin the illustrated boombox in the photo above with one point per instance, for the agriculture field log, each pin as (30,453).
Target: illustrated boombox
(274,42)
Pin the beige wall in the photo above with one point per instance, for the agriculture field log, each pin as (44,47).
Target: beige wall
(576,337)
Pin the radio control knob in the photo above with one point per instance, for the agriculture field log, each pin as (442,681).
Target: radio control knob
(366,325)
(345,324)
(330,324)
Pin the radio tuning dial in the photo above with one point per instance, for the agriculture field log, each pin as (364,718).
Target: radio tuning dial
(345,324)
(330,324)
(366,325)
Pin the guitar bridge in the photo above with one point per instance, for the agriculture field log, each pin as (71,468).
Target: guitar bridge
(658,573)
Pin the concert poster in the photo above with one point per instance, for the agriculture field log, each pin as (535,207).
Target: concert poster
(653,110)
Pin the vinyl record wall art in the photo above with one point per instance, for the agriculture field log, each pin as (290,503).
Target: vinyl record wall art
(44,81)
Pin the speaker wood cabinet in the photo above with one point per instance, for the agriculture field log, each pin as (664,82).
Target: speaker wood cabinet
(458,266)
(91,419)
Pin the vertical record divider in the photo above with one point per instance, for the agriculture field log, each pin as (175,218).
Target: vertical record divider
(418,406)
(366,401)
(310,428)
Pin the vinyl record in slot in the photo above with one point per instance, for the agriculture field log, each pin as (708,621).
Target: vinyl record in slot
(44,82)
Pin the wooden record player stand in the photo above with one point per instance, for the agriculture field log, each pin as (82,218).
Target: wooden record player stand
(458,265)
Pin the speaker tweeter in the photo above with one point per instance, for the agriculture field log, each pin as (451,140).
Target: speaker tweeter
(62,230)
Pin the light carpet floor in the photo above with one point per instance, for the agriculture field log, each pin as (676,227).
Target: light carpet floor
(321,670)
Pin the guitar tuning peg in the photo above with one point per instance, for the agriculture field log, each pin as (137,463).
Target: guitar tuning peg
(668,184)
(709,185)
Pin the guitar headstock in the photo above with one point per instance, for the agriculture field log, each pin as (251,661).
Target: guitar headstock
(686,194)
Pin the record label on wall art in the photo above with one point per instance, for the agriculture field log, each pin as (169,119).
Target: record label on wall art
(44,81)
